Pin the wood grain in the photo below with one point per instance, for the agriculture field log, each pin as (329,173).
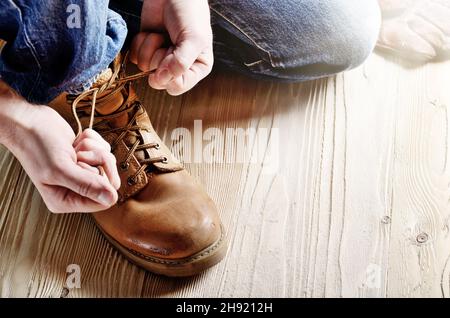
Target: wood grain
(345,192)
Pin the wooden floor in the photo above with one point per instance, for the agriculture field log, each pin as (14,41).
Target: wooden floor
(346,194)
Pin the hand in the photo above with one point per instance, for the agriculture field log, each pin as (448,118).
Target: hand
(416,29)
(189,59)
(62,169)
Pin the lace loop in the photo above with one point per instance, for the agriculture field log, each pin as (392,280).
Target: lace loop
(88,100)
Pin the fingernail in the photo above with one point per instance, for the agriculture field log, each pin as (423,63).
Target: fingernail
(105,198)
(164,77)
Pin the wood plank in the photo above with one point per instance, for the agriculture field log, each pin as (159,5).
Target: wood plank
(420,246)
(344,192)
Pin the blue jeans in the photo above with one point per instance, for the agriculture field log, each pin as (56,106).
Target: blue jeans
(49,51)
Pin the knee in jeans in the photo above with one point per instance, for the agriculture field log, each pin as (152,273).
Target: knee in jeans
(300,39)
(335,36)
(356,31)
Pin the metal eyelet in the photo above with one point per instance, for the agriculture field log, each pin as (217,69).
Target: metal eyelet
(124,165)
(157,146)
(131,181)
(165,160)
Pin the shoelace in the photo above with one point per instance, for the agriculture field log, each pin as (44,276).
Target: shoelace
(115,85)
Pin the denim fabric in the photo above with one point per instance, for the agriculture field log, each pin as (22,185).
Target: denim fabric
(289,40)
(44,56)
(294,40)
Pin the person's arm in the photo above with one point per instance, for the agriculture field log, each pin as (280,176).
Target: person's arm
(9,116)
(64,174)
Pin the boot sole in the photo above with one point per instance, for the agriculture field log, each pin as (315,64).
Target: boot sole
(181,267)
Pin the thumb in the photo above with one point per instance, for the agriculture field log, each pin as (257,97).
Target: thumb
(182,58)
(89,184)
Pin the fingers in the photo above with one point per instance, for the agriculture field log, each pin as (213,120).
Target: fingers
(62,200)
(77,203)
(92,150)
(153,79)
(182,58)
(93,137)
(158,56)
(191,77)
(104,159)
(143,48)
(181,84)
(180,67)
(135,46)
(90,185)
(88,167)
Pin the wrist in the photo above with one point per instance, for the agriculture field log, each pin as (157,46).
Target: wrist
(15,114)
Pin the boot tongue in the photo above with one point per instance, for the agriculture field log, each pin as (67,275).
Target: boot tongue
(111,103)
(114,103)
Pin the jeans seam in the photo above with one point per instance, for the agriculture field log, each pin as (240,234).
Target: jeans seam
(245,34)
(253,63)
(259,66)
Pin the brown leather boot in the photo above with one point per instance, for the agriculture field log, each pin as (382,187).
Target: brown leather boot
(164,221)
